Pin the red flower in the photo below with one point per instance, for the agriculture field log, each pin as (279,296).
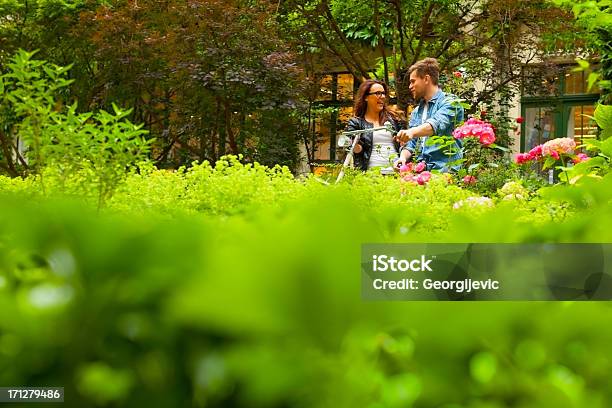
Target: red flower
(420,167)
(487,138)
(468,180)
(519,119)
(423,178)
(523,158)
(536,153)
(457,74)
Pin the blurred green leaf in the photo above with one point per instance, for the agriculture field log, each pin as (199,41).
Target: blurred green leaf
(483,367)
(104,384)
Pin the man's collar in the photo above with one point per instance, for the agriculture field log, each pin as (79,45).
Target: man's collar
(437,95)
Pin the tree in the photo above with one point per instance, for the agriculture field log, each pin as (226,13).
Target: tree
(205,77)
(489,38)
(595,17)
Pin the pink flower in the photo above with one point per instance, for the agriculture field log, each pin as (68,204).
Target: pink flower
(469,180)
(536,152)
(409,178)
(457,74)
(425,177)
(476,128)
(519,119)
(580,157)
(563,145)
(487,138)
(523,158)
(420,167)
(406,168)
(554,155)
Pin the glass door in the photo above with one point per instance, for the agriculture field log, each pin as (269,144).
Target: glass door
(541,123)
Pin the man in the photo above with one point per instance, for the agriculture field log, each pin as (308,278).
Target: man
(434,115)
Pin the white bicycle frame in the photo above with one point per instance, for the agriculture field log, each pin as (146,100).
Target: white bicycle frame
(348,161)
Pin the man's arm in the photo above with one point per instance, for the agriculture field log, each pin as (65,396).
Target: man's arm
(426,129)
(444,120)
(405,153)
(438,124)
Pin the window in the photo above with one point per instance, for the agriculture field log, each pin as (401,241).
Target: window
(322,137)
(540,125)
(326,90)
(579,124)
(345,87)
(556,103)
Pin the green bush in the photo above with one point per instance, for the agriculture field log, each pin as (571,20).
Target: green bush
(238,285)
(92,151)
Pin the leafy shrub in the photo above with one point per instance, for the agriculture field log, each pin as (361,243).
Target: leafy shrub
(93,151)
(126,308)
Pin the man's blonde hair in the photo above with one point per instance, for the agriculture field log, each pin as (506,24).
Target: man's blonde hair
(427,66)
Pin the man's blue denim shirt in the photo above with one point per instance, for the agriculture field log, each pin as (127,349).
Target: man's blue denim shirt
(443,117)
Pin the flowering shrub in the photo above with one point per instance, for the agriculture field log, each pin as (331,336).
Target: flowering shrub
(483,166)
(563,145)
(600,163)
(513,190)
(479,129)
(151,288)
(556,149)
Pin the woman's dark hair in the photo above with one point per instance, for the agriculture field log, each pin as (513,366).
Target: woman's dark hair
(361,106)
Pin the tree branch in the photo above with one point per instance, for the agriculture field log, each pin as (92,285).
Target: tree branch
(424,24)
(360,65)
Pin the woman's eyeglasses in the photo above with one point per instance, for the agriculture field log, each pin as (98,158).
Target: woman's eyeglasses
(378,94)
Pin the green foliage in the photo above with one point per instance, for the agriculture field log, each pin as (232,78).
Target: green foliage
(102,148)
(235,285)
(595,18)
(492,176)
(28,103)
(214,78)
(603,117)
(601,163)
(205,78)
(93,150)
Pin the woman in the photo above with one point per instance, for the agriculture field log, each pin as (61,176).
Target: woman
(378,148)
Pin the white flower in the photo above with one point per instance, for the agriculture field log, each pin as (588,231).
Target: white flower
(474,202)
